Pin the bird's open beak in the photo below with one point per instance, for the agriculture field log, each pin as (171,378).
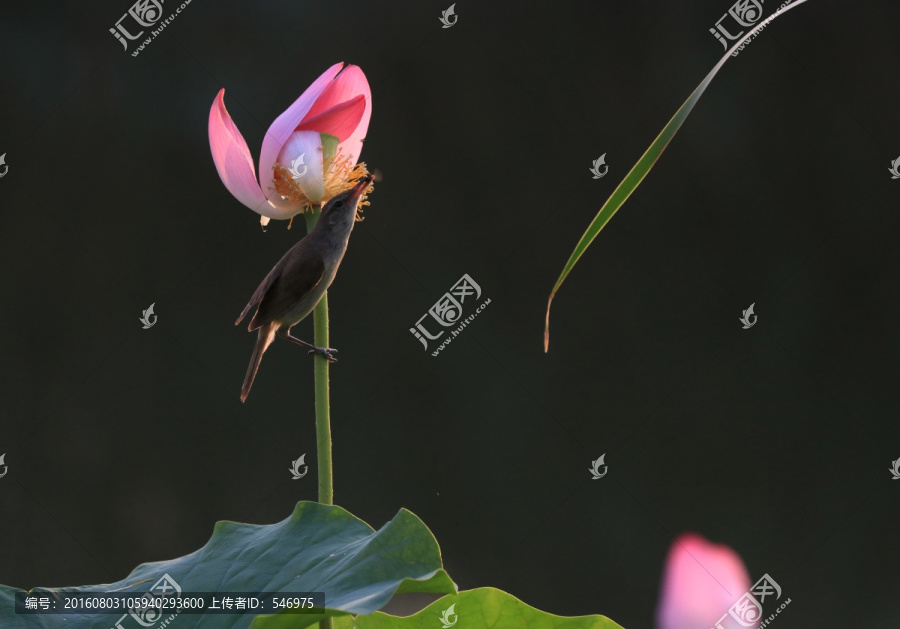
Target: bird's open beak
(361,187)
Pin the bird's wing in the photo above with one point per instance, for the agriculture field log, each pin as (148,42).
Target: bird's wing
(295,276)
(260,292)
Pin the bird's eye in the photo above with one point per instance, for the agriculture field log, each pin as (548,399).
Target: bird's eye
(339,204)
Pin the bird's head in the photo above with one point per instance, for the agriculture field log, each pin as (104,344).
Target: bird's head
(340,212)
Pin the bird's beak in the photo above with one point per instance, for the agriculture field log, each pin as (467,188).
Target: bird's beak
(360,187)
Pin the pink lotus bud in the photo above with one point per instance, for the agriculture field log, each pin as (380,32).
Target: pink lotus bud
(701,582)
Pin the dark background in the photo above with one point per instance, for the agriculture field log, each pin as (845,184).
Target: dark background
(126,445)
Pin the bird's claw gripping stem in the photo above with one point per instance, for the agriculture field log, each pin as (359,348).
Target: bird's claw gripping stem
(325,352)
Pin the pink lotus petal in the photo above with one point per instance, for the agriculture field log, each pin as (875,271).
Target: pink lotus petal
(701,582)
(232,157)
(286,123)
(280,208)
(352,149)
(308,144)
(340,121)
(351,81)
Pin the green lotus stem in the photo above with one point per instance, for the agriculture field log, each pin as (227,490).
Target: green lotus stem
(323,405)
(323,410)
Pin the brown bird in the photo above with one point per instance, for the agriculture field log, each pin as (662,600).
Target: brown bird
(298,281)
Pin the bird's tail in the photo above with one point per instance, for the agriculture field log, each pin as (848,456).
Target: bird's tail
(263,340)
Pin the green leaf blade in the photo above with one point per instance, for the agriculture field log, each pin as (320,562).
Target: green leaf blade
(319,548)
(646,162)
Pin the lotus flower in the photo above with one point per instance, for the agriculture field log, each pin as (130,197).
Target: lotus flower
(701,582)
(319,138)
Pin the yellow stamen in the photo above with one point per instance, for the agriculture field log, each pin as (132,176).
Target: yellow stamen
(339,176)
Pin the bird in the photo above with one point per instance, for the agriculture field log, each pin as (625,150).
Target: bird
(298,281)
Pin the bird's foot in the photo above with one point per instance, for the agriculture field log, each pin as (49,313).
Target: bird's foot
(325,352)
